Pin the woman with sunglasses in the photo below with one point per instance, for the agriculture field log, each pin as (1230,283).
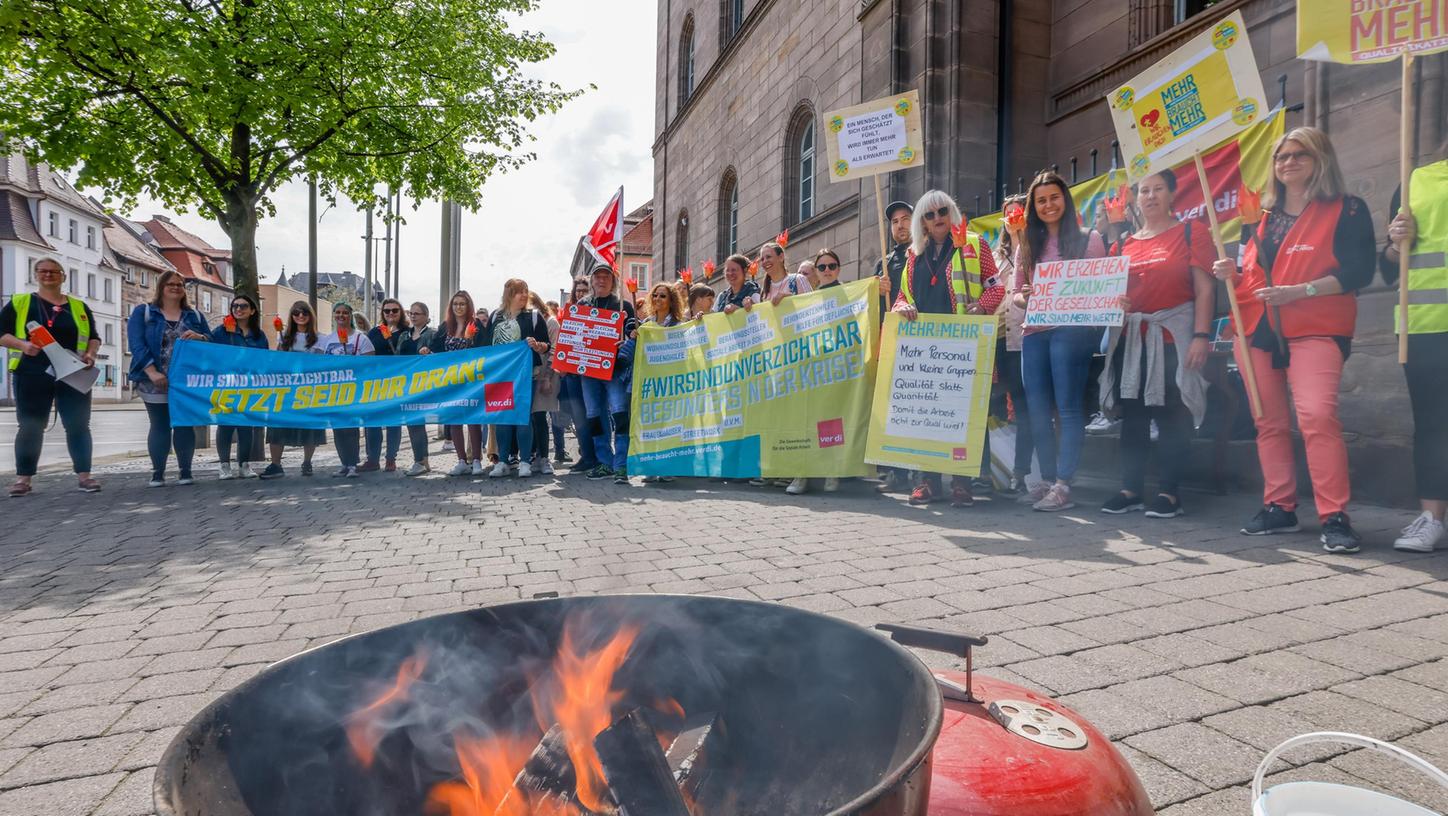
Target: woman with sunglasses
(945,273)
(299,336)
(346,340)
(779,282)
(464,328)
(514,321)
(570,391)
(72,325)
(1055,360)
(665,309)
(826,266)
(390,338)
(739,292)
(241,328)
(419,338)
(1315,245)
(153,330)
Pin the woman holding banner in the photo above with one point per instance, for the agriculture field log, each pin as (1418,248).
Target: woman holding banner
(73,327)
(1423,233)
(153,330)
(1302,267)
(664,310)
(740,292)
(1008,352)
(388,339)
(779,282)
(1170,296)
(514,321)
(419,337)
(347,341)
(948,271)
(826,266)
(609,399)
(545,388)
(300,336)
(463,328)
(1055,360)
(240,328)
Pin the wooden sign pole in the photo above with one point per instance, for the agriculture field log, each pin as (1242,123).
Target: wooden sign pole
(1405,172)
(884,245)
(1244,342)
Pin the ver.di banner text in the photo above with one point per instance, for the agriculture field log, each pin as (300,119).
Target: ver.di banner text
(774,391)
(214,384)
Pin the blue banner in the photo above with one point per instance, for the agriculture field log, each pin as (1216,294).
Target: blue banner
(214,384)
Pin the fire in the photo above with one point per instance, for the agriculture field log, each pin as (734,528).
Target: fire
(486,789)
(581,700)
(366,731)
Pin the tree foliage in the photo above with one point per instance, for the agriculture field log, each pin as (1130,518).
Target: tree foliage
(212,104)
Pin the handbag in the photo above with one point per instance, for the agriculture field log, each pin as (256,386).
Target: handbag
(545,381)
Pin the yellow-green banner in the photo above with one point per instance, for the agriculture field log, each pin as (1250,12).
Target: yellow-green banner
(1357,31)
(932,397)
(777,392)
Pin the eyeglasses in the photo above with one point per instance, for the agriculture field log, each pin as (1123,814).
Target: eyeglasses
(174,286)
(48,270)
(659,296)
(827,267)
(937,214)
(418,314)
(1291,155)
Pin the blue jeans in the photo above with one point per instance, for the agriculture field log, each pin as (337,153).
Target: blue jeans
(374,442)
(515,439)
(606,400)
(570,393)
(1055,365)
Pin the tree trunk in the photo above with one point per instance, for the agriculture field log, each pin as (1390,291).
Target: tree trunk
(240,225)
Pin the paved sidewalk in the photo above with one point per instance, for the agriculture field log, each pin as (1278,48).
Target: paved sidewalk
(1195,648)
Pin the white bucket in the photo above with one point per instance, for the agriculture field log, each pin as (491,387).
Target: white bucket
(1329,799)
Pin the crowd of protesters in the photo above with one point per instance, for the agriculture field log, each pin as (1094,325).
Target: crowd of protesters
(1296,278)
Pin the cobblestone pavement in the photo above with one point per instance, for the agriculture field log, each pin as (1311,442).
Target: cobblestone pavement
(1196,649)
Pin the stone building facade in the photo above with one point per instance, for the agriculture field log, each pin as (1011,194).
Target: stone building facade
(1009,87)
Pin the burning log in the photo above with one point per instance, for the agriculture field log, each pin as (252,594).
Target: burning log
(637,771)
(548,781)
(687,755)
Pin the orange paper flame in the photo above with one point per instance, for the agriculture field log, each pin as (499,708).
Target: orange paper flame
(386,331)
(709,268)
(687,274)
(754,269)
(278,324)
(782,239)
(633,285)
(958,234)
(471,330)
(1016,219)
(229,322)
(342,333)
(1249,205)
(365,731)
(1116,205)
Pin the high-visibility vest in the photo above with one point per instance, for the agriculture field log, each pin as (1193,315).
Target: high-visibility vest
(964,274)
(1428,261)
(21,302)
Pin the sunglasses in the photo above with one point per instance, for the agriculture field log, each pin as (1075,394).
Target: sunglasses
(1291,155)
(827,267)
(301,313)
(242,305)
(940,213)
(392,311)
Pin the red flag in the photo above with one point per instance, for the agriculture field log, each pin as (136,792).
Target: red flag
(607,232)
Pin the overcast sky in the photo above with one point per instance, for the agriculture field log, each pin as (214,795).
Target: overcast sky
(530,220)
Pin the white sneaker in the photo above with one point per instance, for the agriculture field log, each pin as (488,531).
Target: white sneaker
(499,471)
(832,484)
(350,474)
(185,481)
(545,467)
(460,469)
(1100,424)
(524,470)
(417,469)
(1422,535)
(245,472)
(478,468)
(798,486)
(226,474)
(1056,499)
(447,446)
(156,483)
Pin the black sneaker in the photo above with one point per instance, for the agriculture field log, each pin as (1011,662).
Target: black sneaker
(600,472)
(1015,488)
(1271,520)
(273,472)
(982,486)
(1121,504)
(1338,536)
(1163,506)
(307,469)
(620,476)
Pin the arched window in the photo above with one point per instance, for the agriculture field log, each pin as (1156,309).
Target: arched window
(686,61)
(731,19)
(728,215)
(799,170)
(681,243)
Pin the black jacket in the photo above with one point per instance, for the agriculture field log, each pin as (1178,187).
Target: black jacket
(439,339)
(399,343)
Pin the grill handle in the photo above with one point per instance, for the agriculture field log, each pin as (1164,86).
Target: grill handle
(953,643)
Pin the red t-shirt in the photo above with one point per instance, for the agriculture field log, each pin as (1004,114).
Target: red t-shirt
(1161,267)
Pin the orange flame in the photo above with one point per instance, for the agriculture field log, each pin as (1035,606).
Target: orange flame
(687,274)
(471,330)
(709,268)
(582,704)
(782,239)
(489,767)
(1249,205)
(277,323)
(386,331)
(633,285)
(753,269)
(342,333)
(959,233)
(1016,219)
(1116,205)
(229,322)
(365,732)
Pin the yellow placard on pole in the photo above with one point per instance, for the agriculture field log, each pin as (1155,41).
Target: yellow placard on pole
(875,137)
(1206,91)
(1358,31)
(932,394)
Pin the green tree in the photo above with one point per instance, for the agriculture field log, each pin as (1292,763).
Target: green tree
(212,104)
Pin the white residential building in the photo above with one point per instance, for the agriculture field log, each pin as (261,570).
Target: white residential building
(42,215)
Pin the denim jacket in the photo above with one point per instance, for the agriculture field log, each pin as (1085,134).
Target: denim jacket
(238,338)
(144,331)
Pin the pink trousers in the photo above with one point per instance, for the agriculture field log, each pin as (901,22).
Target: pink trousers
(1313,376)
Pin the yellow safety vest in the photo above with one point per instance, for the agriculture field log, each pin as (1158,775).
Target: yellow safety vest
(21,302)
(964,275)
(1428,259)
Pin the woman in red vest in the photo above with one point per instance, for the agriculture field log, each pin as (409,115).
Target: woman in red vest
(1302,267)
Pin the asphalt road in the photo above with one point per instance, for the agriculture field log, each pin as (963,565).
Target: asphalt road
(114,430)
